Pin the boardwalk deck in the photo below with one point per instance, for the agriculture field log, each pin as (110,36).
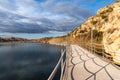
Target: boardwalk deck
(82,65)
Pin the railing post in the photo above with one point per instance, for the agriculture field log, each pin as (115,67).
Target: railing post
(94,49)
(61,65)
(83,42)
(102,49)
(80,39)
(67,60)
(91,38)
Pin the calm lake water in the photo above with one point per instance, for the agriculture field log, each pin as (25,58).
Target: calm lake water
(28,61)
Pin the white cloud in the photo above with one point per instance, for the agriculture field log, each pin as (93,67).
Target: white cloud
(30,16)
(23,20)
(7,5)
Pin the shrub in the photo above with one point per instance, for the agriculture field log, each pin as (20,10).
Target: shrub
(110,9)
(106,19)
(117,1)
(103,16)
(94,22)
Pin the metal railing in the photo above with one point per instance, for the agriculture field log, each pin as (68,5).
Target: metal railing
(58,65)
(94,47)
(62,61)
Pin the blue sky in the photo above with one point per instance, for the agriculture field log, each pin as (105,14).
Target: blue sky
(43,18)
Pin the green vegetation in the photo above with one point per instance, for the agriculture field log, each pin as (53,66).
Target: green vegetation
(64,36)
(117,1)
(104,17)
(110,9)
(94,22)
(97,36)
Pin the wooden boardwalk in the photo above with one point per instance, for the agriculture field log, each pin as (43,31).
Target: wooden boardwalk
(83,65)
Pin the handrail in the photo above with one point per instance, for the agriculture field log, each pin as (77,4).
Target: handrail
(56,67)
(95,46)
(62,70)
(96,51)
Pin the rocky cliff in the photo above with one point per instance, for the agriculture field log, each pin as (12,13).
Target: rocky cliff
(106,24)
(52,40)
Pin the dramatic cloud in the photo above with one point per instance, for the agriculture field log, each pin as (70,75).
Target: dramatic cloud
(42,16)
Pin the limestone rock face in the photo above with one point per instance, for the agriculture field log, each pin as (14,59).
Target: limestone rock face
(111,38)
(106,20)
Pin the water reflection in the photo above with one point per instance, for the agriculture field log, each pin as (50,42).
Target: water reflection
(27,61)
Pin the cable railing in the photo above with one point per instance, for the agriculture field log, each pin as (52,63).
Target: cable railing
(90,44)
(98,51)
(60,62)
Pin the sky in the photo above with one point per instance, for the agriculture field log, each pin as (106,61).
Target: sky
(45,18)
